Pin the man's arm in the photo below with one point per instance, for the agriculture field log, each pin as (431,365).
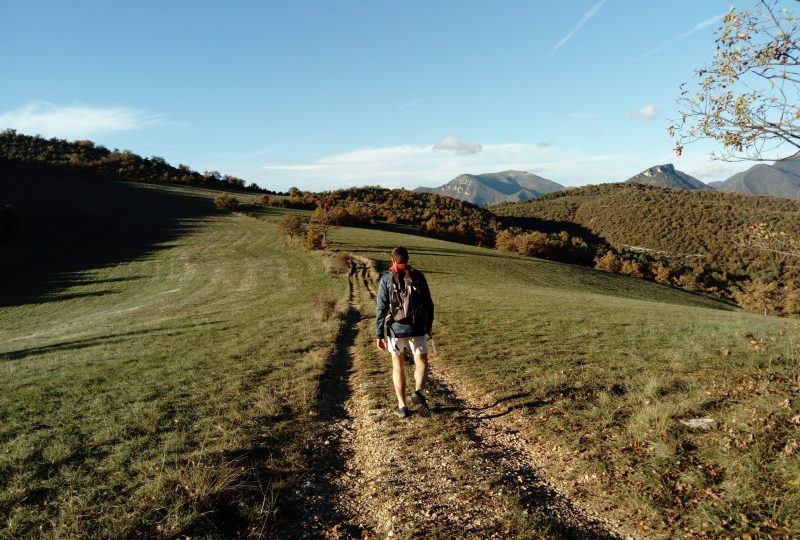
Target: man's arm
(381,308)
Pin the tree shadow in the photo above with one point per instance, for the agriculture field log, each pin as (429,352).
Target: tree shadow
(97,340)
(74,222)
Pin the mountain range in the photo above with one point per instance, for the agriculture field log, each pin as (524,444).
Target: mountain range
(780,179)
(493,188)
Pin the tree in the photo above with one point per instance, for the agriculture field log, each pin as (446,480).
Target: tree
(226,202)
(293,225)
(763,238)
(749,95)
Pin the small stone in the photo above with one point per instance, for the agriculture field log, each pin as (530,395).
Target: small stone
(698,423)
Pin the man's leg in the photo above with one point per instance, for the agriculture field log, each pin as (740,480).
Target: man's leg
(399,378)
(420,370)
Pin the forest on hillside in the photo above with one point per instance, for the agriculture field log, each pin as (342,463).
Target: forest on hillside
(119,164)
(707,234)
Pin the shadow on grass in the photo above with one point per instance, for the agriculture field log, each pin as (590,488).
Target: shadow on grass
(72,223)
(97,340)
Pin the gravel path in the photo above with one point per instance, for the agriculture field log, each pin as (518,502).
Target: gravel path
(463,473)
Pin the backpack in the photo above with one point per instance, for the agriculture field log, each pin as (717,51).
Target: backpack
(405,306)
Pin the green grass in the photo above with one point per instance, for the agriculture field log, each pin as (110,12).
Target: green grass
(165,389)
(608,365)
(159,363)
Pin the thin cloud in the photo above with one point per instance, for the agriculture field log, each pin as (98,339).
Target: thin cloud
(581,116)
(415,165)
(648,112)
(410,103)
(74,121)
(461,148)
(586,16)
(696,28)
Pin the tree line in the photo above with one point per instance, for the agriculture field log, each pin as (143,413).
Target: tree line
(118,164)
(696,239)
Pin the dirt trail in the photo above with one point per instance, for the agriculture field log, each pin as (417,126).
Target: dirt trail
(463,473)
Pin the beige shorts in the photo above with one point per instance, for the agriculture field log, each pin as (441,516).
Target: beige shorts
(415,344)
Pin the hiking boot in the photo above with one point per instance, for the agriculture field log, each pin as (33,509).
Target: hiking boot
(419,398)
(402,412)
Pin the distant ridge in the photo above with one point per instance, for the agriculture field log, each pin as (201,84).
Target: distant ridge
(666,176)
(493,188)
(781,179)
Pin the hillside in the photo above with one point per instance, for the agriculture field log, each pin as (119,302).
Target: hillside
(781,179)
(666,176)
(698,225)
(147,341)
(85,156)
(492,188)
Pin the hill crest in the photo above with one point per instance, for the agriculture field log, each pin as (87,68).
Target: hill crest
(666,176)
(781,179)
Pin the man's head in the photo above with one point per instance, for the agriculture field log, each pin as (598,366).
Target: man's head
(400,255)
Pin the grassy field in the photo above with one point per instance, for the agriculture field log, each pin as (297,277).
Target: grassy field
(159,361)
(161,386)
(602,368)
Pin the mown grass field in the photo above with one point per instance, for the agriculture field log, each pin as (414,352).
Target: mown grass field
(163,389)
(159,363)
(603,367)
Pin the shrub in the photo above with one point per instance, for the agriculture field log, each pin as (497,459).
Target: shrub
(635,269)
(226,202)
(759,296)
(338,263)
(608,262)
(292,225)
(324,306)
(662,273)
(315,239)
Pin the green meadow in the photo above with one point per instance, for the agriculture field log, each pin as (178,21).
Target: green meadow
(601,368)
(166,391)
(160,362)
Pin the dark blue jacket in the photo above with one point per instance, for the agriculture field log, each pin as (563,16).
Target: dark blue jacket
(382,308)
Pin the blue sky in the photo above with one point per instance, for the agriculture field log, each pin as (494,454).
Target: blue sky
(324,95)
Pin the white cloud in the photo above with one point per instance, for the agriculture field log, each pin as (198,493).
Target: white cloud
(696,28)
(74,121)
(586,16)
(451,144)
(417,165)
(648,112)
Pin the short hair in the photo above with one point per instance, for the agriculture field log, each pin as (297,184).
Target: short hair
(400,254)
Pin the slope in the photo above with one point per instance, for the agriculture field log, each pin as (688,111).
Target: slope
(595,372)
(160,384)
(690,225)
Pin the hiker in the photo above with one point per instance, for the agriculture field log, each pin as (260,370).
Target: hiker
(404,319)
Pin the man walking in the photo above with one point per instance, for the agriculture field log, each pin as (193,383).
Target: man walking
(404,316)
